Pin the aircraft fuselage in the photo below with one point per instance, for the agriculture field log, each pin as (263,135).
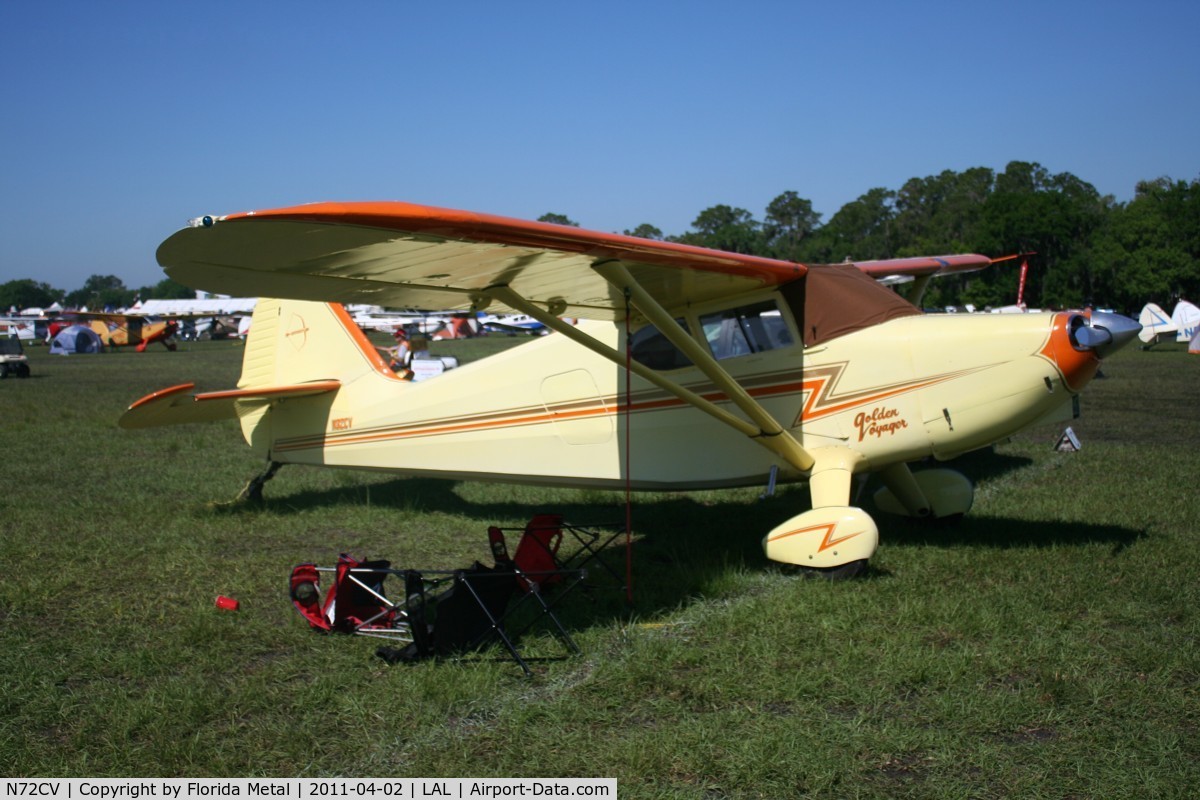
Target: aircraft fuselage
(550,412)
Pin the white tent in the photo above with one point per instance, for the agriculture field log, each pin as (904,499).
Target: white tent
(76,339)
(217,306)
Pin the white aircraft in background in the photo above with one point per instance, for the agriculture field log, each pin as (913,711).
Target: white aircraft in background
(1185,317)
(21,327)
(1158,327)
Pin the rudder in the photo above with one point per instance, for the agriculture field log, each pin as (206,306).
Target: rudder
(297,342)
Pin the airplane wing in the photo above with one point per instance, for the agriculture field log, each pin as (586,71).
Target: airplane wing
(403,255)
(106,316)
(173,406)
(895,270)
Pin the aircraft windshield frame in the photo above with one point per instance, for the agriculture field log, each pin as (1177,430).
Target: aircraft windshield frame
(746,330)
(650,347)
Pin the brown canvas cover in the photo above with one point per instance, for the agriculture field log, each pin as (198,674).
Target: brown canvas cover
(832,300)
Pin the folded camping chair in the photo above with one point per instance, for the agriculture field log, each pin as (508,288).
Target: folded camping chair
(536,568)
(443,613)
(355,602)
(540,552)
(455,612)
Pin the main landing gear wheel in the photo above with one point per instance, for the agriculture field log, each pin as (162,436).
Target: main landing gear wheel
(942,496)
(833,543)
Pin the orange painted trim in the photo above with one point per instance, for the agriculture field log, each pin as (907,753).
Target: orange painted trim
(161,393)
(826,542)
(416,430)
(1076,366)
(377,362)
(818,404)
(822,402)
(316,387)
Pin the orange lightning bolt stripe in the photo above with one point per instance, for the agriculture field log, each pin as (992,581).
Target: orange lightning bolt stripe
(827,542)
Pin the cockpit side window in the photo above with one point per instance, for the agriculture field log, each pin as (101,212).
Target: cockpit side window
(745,330)
(650,347)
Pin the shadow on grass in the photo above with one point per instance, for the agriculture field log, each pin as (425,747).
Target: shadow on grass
(685,547)
(1006,533)
(979,466)
(693,546)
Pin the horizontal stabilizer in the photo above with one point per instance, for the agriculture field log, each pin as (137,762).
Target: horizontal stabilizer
(175,406)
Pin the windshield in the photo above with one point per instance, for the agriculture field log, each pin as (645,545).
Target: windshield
(744,330)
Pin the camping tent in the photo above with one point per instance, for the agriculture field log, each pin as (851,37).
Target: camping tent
(76,339)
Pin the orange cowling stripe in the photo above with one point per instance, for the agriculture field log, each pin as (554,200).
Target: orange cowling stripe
(1077,366)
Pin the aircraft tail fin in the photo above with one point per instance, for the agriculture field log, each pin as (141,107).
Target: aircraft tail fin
(295,341)
(294,349)
(1156,324)
(1186,317)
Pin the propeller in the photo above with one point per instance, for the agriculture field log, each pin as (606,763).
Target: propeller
(1104,333)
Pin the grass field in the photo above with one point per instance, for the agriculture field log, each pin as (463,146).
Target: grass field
(1045,647)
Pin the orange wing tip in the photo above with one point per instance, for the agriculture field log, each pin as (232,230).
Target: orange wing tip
(162,393)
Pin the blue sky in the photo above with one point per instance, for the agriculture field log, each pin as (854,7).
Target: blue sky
(121,120)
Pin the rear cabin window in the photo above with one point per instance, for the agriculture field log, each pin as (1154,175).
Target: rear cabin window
(745,330)
(650,347)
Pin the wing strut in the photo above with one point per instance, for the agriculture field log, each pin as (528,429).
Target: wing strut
(762,428)
(510,298)
(769,432)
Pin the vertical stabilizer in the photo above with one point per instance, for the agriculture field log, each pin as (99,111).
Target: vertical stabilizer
(1156,325)
(1185,317)
(295,342)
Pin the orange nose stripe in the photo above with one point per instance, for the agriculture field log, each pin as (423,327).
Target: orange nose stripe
(1077,366)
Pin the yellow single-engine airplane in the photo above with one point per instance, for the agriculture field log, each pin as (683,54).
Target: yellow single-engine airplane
(715,369)
(125,330)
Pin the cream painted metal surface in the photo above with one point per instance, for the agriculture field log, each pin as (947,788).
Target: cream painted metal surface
(728,393)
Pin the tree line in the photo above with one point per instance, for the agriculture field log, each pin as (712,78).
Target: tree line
(1090,249)
(97,293)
